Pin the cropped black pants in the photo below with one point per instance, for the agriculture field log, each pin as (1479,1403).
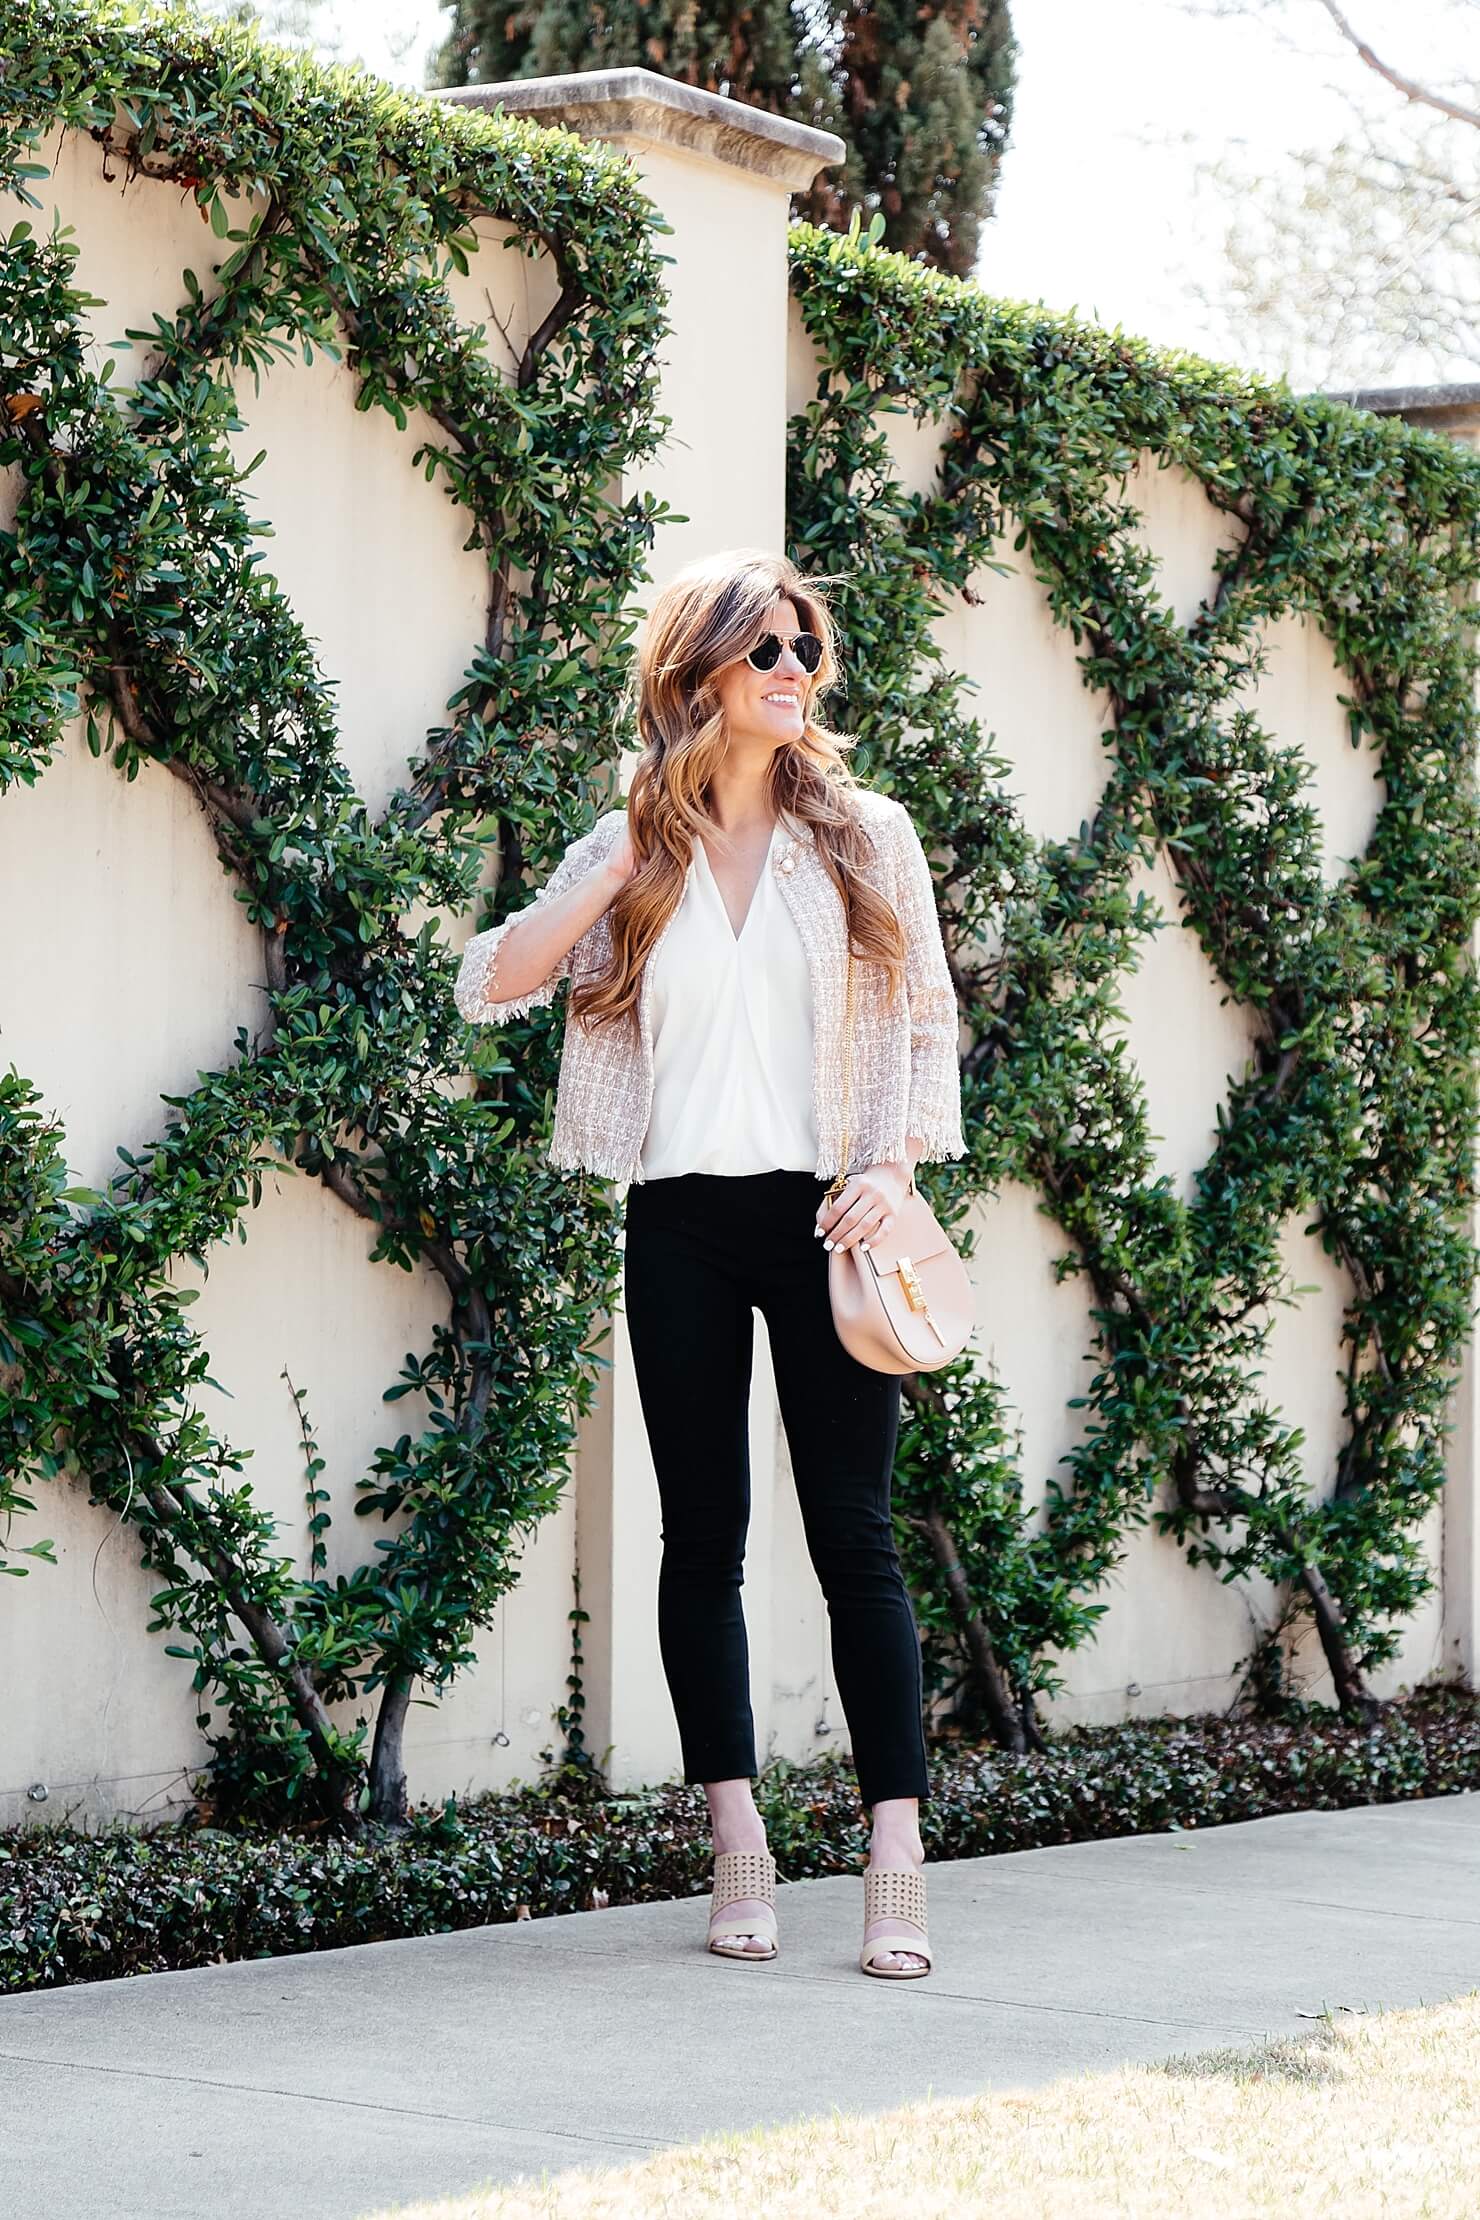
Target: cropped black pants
(701,1250)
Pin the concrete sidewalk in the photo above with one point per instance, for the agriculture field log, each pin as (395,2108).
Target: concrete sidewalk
(326,2087)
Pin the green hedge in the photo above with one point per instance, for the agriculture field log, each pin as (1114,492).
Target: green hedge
(78,1907)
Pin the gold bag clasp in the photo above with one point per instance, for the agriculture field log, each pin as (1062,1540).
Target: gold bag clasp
(915,1295)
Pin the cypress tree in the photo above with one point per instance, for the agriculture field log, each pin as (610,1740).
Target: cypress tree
(920,91)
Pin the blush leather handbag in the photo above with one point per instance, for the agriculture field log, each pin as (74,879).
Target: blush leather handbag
(905,1303)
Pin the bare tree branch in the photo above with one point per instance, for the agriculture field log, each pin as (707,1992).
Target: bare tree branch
(1368,262)
(1409,87)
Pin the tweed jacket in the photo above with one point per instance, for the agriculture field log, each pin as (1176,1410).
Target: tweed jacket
(906,1077)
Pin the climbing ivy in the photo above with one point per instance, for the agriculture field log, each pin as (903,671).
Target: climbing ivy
(137,603)
(1357,1111)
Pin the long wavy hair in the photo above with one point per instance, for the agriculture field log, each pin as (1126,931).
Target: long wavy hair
(710,613)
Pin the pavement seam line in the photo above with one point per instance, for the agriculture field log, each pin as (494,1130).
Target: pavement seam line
(353,2104)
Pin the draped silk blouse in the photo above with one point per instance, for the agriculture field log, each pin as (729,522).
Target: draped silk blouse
(732,1035)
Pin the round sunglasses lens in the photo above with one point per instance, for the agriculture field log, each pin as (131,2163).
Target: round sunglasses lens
(766,654)
(808,650)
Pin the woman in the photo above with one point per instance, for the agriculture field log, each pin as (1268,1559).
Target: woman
(705,931)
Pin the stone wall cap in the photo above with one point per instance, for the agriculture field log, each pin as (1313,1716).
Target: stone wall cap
(640,103)
(1442,407)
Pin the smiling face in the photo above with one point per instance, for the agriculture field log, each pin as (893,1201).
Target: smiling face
(767,706)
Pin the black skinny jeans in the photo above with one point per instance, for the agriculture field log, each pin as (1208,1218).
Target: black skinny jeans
(701,1249)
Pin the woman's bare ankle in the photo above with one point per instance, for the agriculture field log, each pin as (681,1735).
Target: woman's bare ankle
(735,1822)
(894,1833)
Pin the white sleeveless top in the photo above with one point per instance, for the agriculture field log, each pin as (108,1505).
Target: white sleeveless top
(732,1035)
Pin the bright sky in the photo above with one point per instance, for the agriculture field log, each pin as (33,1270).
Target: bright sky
(1099,207)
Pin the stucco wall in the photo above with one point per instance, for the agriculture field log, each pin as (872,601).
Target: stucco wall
(113,905)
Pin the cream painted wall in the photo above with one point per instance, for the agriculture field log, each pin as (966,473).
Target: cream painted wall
(111,897)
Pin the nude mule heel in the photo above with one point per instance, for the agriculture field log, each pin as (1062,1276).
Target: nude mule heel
(737,1874)
(896,1893)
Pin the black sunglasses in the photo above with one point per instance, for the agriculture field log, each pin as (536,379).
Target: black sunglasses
(766,654)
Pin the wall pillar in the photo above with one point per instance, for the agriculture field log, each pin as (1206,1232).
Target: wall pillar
(722,175)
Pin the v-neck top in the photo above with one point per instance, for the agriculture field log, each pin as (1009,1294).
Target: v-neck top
(732,1027)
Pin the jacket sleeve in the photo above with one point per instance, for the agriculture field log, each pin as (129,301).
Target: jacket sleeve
(934,1014)
(473,990)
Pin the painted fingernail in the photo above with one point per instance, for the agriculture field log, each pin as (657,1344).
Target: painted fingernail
(827,1244)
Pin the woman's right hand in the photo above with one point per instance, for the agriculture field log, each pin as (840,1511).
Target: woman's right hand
(622,861)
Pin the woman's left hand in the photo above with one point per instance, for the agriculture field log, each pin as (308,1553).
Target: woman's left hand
(865,1209)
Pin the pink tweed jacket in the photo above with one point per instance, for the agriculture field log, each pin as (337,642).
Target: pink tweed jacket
(906,1066)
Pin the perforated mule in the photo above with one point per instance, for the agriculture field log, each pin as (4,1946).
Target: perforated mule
(739,1874)
(895,1893)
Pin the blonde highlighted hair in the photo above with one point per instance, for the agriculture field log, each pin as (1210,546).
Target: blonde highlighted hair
(710,613)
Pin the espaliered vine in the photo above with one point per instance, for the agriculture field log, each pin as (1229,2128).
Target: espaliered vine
(1358,1107)
(135,597)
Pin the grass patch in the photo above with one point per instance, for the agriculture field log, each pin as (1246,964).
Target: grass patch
(1364,2117)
